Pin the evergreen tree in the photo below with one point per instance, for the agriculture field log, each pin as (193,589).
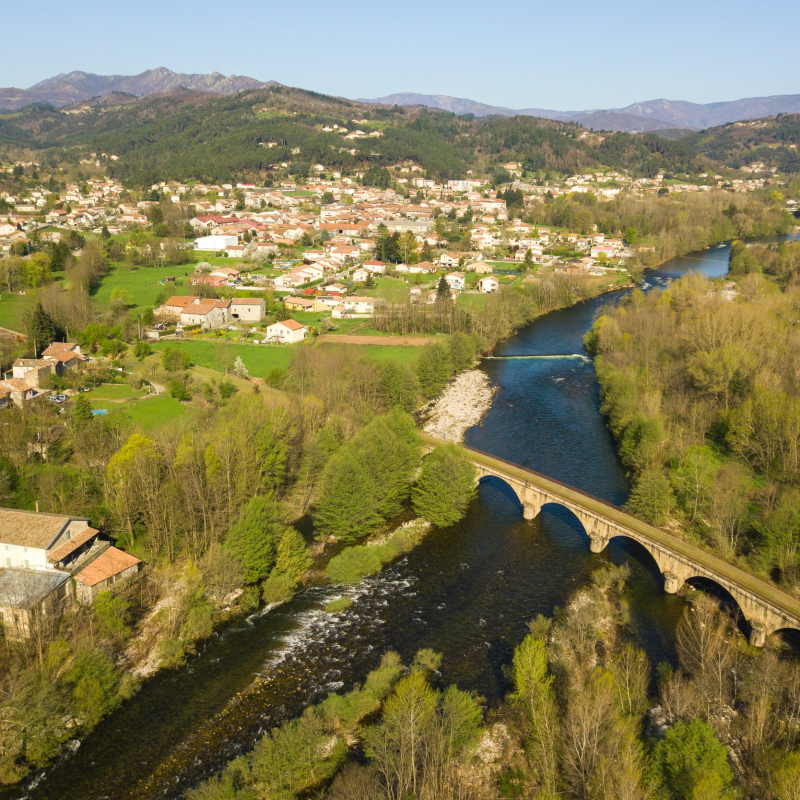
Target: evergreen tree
(445,487)
(651,496)
(82,410)
(253,539)
(42,330)
(442,290)
(461,350)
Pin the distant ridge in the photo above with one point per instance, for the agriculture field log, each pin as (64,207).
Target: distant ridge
(650,115)
(76,87)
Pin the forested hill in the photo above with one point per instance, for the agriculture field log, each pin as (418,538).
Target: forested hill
(186,135)
(774,142)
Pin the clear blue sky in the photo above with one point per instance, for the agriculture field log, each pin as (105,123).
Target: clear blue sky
(562,54)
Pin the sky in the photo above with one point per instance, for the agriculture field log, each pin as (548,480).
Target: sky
(556,54)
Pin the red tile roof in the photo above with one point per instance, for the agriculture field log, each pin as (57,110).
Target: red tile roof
(105,566)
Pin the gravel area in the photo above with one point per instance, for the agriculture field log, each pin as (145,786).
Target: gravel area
(462,404)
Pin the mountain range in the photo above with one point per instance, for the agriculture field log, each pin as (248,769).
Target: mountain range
(652,115)
(76,87)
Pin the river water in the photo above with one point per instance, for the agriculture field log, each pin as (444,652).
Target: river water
(466,591)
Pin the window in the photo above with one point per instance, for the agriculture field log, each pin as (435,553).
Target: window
(27,564)
(8,562)
(68,535)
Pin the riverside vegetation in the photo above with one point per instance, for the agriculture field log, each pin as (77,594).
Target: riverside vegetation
(700,386)
(208,502)
(580,722)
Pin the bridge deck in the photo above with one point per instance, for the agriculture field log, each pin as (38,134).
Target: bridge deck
(751,583)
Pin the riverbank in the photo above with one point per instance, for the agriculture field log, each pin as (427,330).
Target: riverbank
(462,404)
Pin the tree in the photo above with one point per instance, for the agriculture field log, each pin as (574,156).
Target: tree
(174,359)
(400,385)
(631,236)
(694,478)
(433,369)
(461,349)
(239,368)
(693,763)
(255,536)
(445,486)
(82,410)
(42,330)
(442,289)
(292,558)
(651,496)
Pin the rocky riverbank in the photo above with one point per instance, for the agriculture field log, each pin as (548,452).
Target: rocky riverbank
(463,404)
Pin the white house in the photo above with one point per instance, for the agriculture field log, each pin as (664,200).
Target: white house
(488,284)
(248,309)
(361,274)
(375,266)
(287,332)
(456,280)
(359,305)
(602,249)
(215,242)
(27,538)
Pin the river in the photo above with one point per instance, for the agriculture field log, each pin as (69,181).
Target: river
(466,591)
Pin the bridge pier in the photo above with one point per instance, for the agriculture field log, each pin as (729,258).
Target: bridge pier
(531,510)
(758,634)
(597,543)
(672,582)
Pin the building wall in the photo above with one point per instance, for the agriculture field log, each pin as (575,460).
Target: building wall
(249,311)
(13,555)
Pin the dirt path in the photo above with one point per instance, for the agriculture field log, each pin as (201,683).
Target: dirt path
(404,341)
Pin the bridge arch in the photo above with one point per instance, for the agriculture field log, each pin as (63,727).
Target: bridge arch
(766,608)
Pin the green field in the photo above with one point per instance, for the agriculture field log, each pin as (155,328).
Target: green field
(115,392)
(147,415)
(142,283)
(388,352)
(393,290)
(221,355)
(12,310)
(472,300)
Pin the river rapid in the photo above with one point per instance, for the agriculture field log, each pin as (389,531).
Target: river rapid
(465,591)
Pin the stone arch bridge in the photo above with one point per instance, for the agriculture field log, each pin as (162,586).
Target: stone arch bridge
(765,607)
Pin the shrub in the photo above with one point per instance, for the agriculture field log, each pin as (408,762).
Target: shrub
(339,604)
(353,564)
(277,588)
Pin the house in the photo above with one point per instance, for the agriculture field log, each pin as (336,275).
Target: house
(287,332)
(488,285)
(298,303)
(361,275)
(456,281)
(336,289)
(33,371)
(18,390)
(375,266)
(450,259)
(481,267)
(31,600)
(359,305)
(103,572)
(248,309)
(423,267)
(66,355)
(215,242)
(208,314)
(28,537)
(201,311)
(602,250)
